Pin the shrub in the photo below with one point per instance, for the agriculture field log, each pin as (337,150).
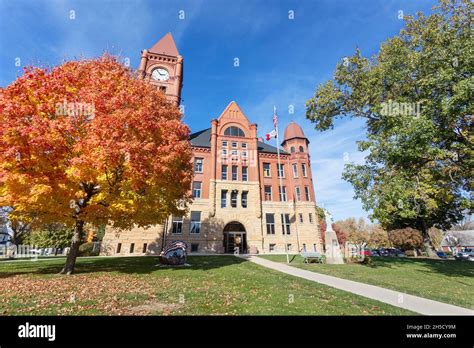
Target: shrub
(367,261)
(86,250)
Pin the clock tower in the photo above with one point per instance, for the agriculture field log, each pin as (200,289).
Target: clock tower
(162,66)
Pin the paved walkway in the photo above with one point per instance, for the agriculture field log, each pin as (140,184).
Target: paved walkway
(394,298)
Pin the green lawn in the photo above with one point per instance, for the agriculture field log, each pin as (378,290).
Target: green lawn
(213,285)
(446,281)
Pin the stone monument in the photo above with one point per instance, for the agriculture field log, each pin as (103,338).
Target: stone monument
(333,250)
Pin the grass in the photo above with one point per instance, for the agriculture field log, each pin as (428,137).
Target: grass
(448,281)
(213,285)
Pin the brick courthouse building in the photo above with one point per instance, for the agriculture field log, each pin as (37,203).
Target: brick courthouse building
(238,201)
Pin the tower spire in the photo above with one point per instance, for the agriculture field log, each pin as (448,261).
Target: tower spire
(166,46)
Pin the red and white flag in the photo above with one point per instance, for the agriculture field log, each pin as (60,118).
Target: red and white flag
(270,135)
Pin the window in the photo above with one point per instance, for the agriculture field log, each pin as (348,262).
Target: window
(224,172)
(304,247)
(289,247)
(224,153)
(244,174)
(197,189)
(235,154)
(244,199)
(244,145)
(303,170)
(270,219)
(223,198)
(282,191)
(163,89)
(292,149)
(177,224)
(234,173)
(268,193)
(271,247)
(266,169)
(314,247)
(195,226)
(145,245)
(198,165)
(301,149)
(295,170)
(234,132)
(224,144)
(132,248)
(298,193)
(234,144)
(285,223)
(244,154)
(119,248)
(306,193)
(301,217)
(233,199)
(194,247)
(281,170)
(310,218)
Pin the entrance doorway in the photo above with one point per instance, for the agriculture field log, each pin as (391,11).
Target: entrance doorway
(235,236)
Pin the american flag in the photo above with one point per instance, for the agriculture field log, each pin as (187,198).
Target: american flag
(275,118)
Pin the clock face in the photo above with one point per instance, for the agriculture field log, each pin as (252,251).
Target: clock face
(160,74)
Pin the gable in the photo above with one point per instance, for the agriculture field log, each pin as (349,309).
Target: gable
(233,116)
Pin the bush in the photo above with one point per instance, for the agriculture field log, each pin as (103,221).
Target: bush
(355,259)
(86,250)
(366,261)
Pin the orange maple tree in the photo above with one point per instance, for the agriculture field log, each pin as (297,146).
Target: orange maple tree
(89,143)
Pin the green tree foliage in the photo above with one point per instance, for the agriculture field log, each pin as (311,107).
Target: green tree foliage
(416,97)
(52,235)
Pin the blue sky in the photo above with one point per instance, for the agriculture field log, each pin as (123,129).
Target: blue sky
(282,60)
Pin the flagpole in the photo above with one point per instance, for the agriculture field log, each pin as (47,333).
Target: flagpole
(280,190)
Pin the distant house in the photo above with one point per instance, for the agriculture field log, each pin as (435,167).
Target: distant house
(465,240)
(4,237)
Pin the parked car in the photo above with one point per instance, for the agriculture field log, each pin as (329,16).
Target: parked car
(395,252)
(375,252)
(441,254)
(365,252)
(383,252)
(465,255)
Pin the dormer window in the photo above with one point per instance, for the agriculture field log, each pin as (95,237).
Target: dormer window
(292,149)
(301,149)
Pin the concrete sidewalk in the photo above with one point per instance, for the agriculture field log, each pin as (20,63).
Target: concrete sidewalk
(394,298)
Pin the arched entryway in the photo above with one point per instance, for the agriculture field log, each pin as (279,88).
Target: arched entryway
(235,237)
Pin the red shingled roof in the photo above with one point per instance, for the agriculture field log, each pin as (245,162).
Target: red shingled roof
(165,46)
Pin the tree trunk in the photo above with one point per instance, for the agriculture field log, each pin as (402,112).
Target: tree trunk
(430,250)
(76,242)
(13,238)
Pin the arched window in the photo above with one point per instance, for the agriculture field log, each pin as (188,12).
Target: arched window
(301,149)
(292,149)
(234,131)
